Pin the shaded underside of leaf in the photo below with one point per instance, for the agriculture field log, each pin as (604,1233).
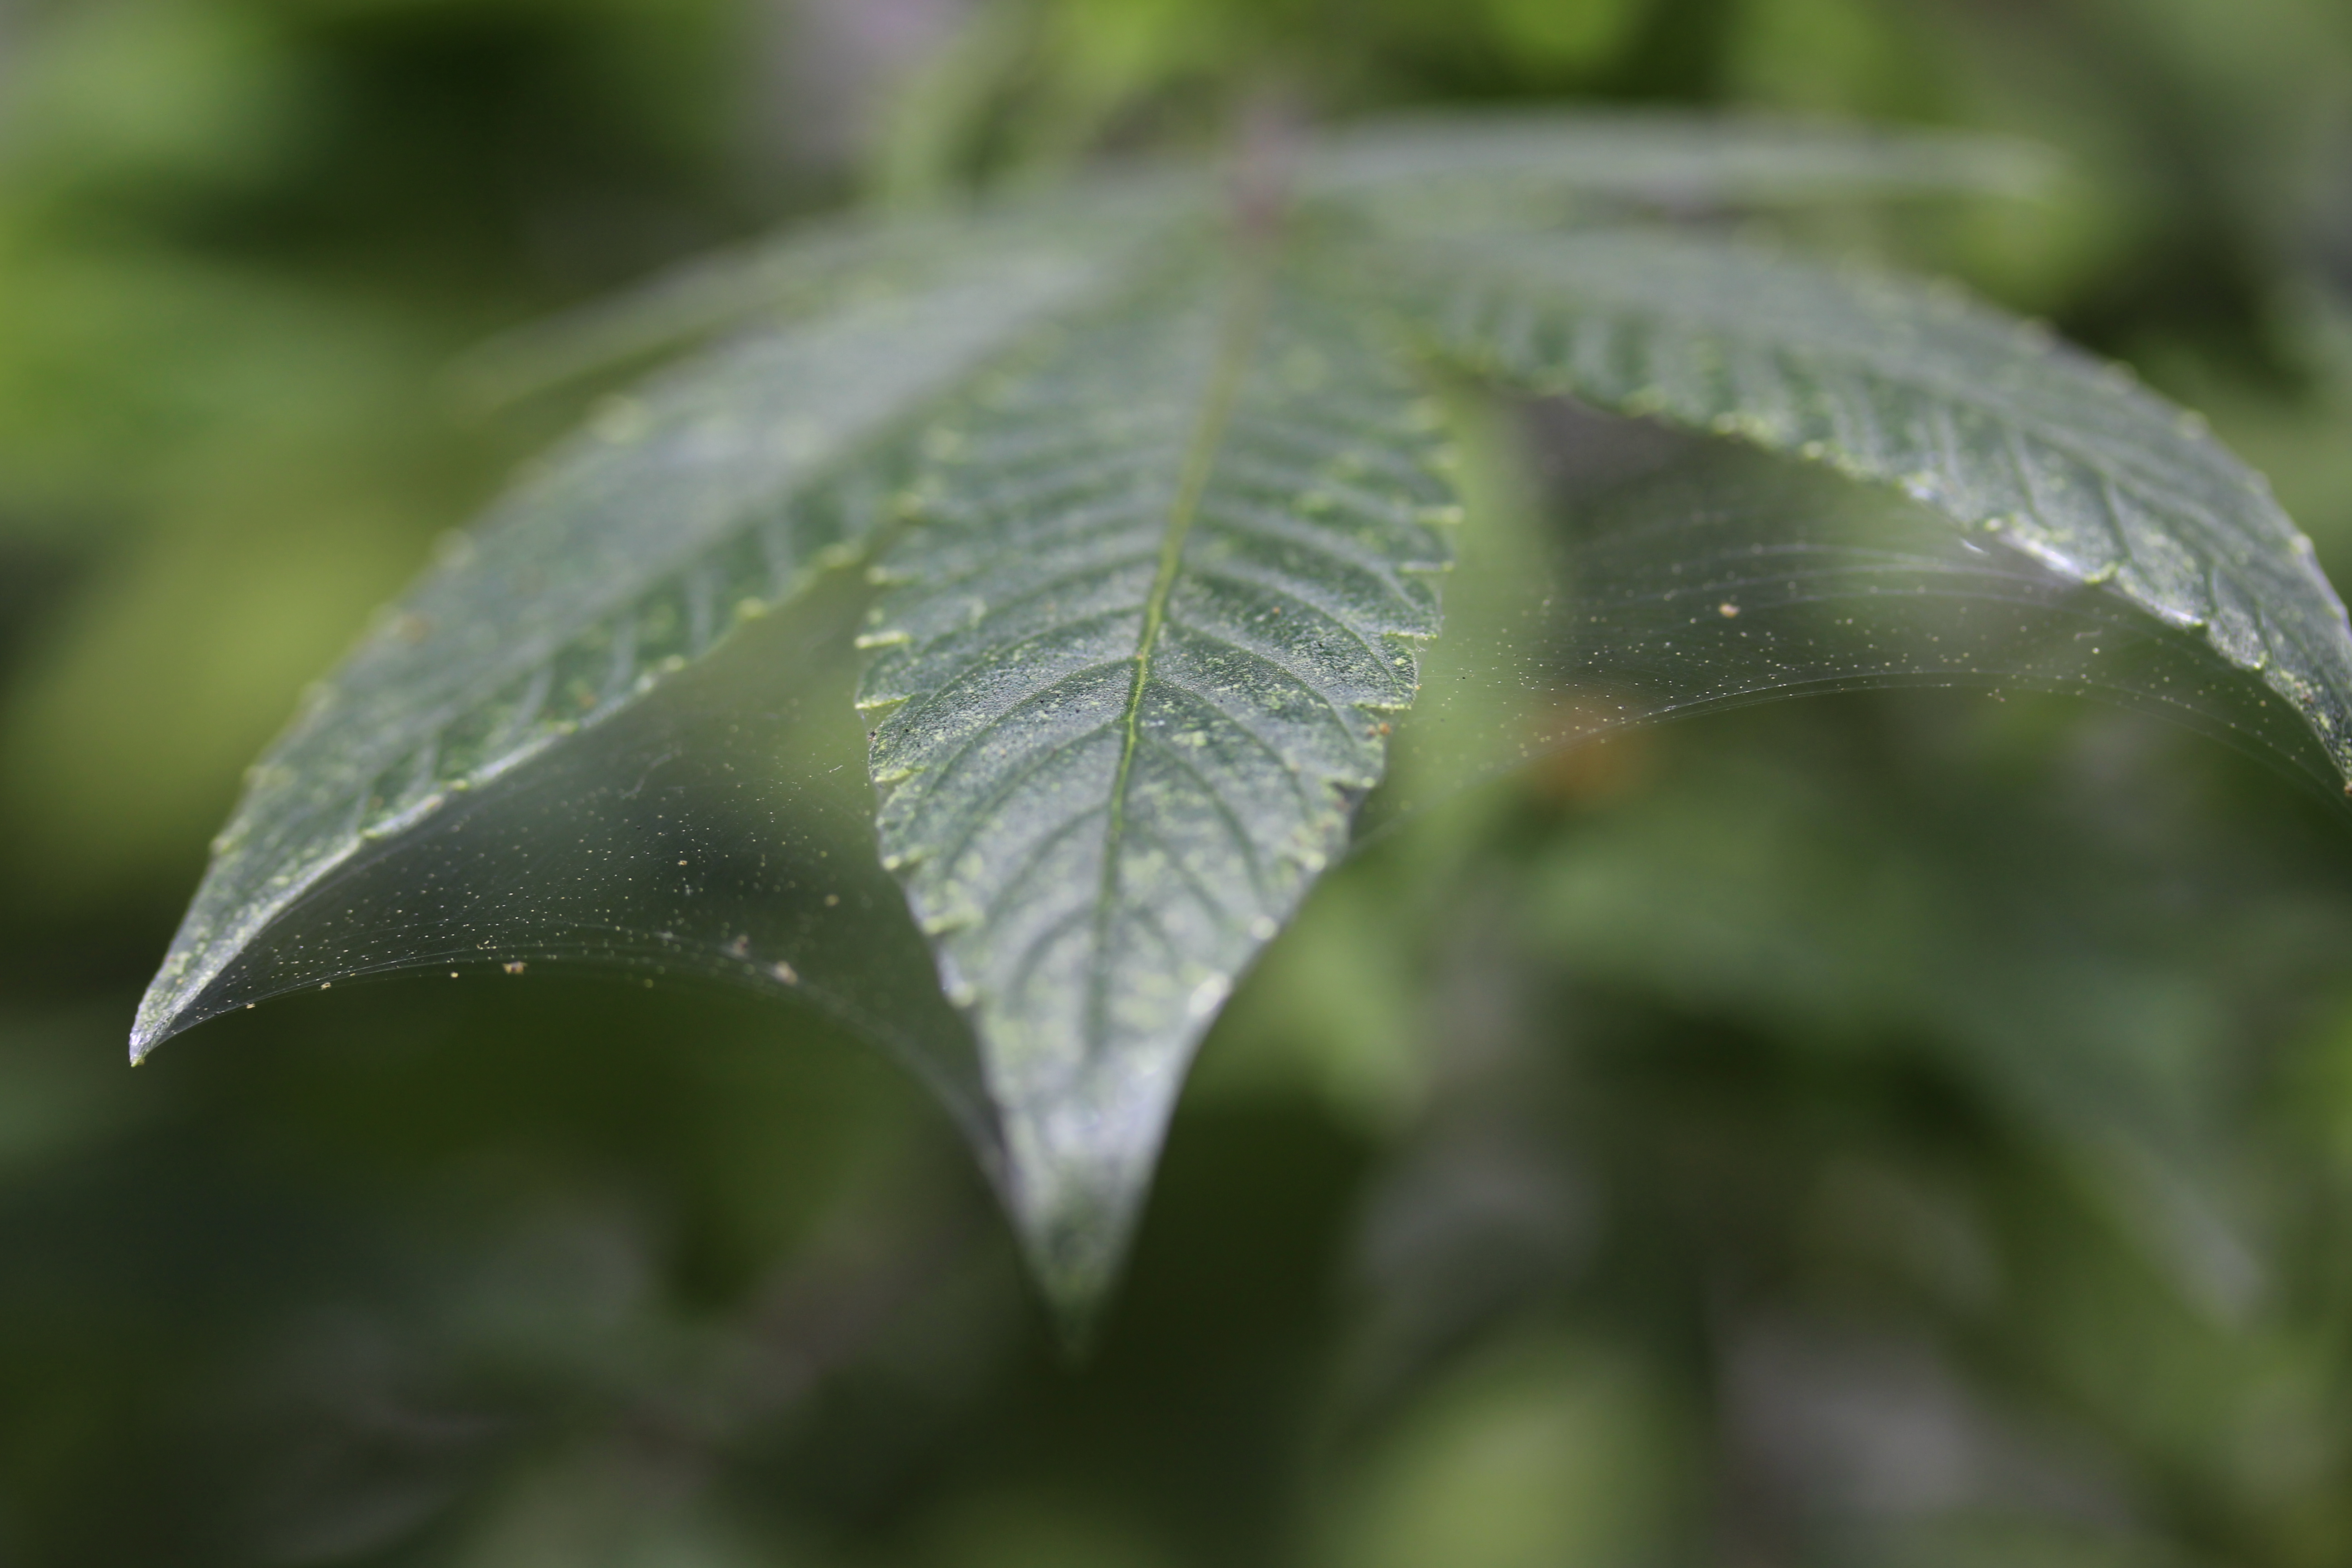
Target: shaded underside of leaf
(1984,418)
(1134,664)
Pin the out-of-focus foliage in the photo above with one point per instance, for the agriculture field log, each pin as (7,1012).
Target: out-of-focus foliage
(1910,1127)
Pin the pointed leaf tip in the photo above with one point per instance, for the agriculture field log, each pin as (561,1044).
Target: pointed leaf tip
(1078,1188)
(1137,664)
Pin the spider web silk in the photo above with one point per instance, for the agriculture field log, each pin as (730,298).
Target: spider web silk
(721,830)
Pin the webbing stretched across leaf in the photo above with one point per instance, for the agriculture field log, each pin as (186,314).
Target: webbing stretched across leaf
(1155,506)
(1982,417)
(712,496)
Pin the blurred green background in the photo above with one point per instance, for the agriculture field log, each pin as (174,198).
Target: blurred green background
(1898,1128)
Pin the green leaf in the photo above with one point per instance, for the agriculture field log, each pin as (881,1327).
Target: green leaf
(1982,417)
(1137,662)
(822,268)
(1156,507)
(1414,171)
(1480,163)
(714,495)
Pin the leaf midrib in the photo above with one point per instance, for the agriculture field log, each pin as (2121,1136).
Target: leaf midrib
(1246,301)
